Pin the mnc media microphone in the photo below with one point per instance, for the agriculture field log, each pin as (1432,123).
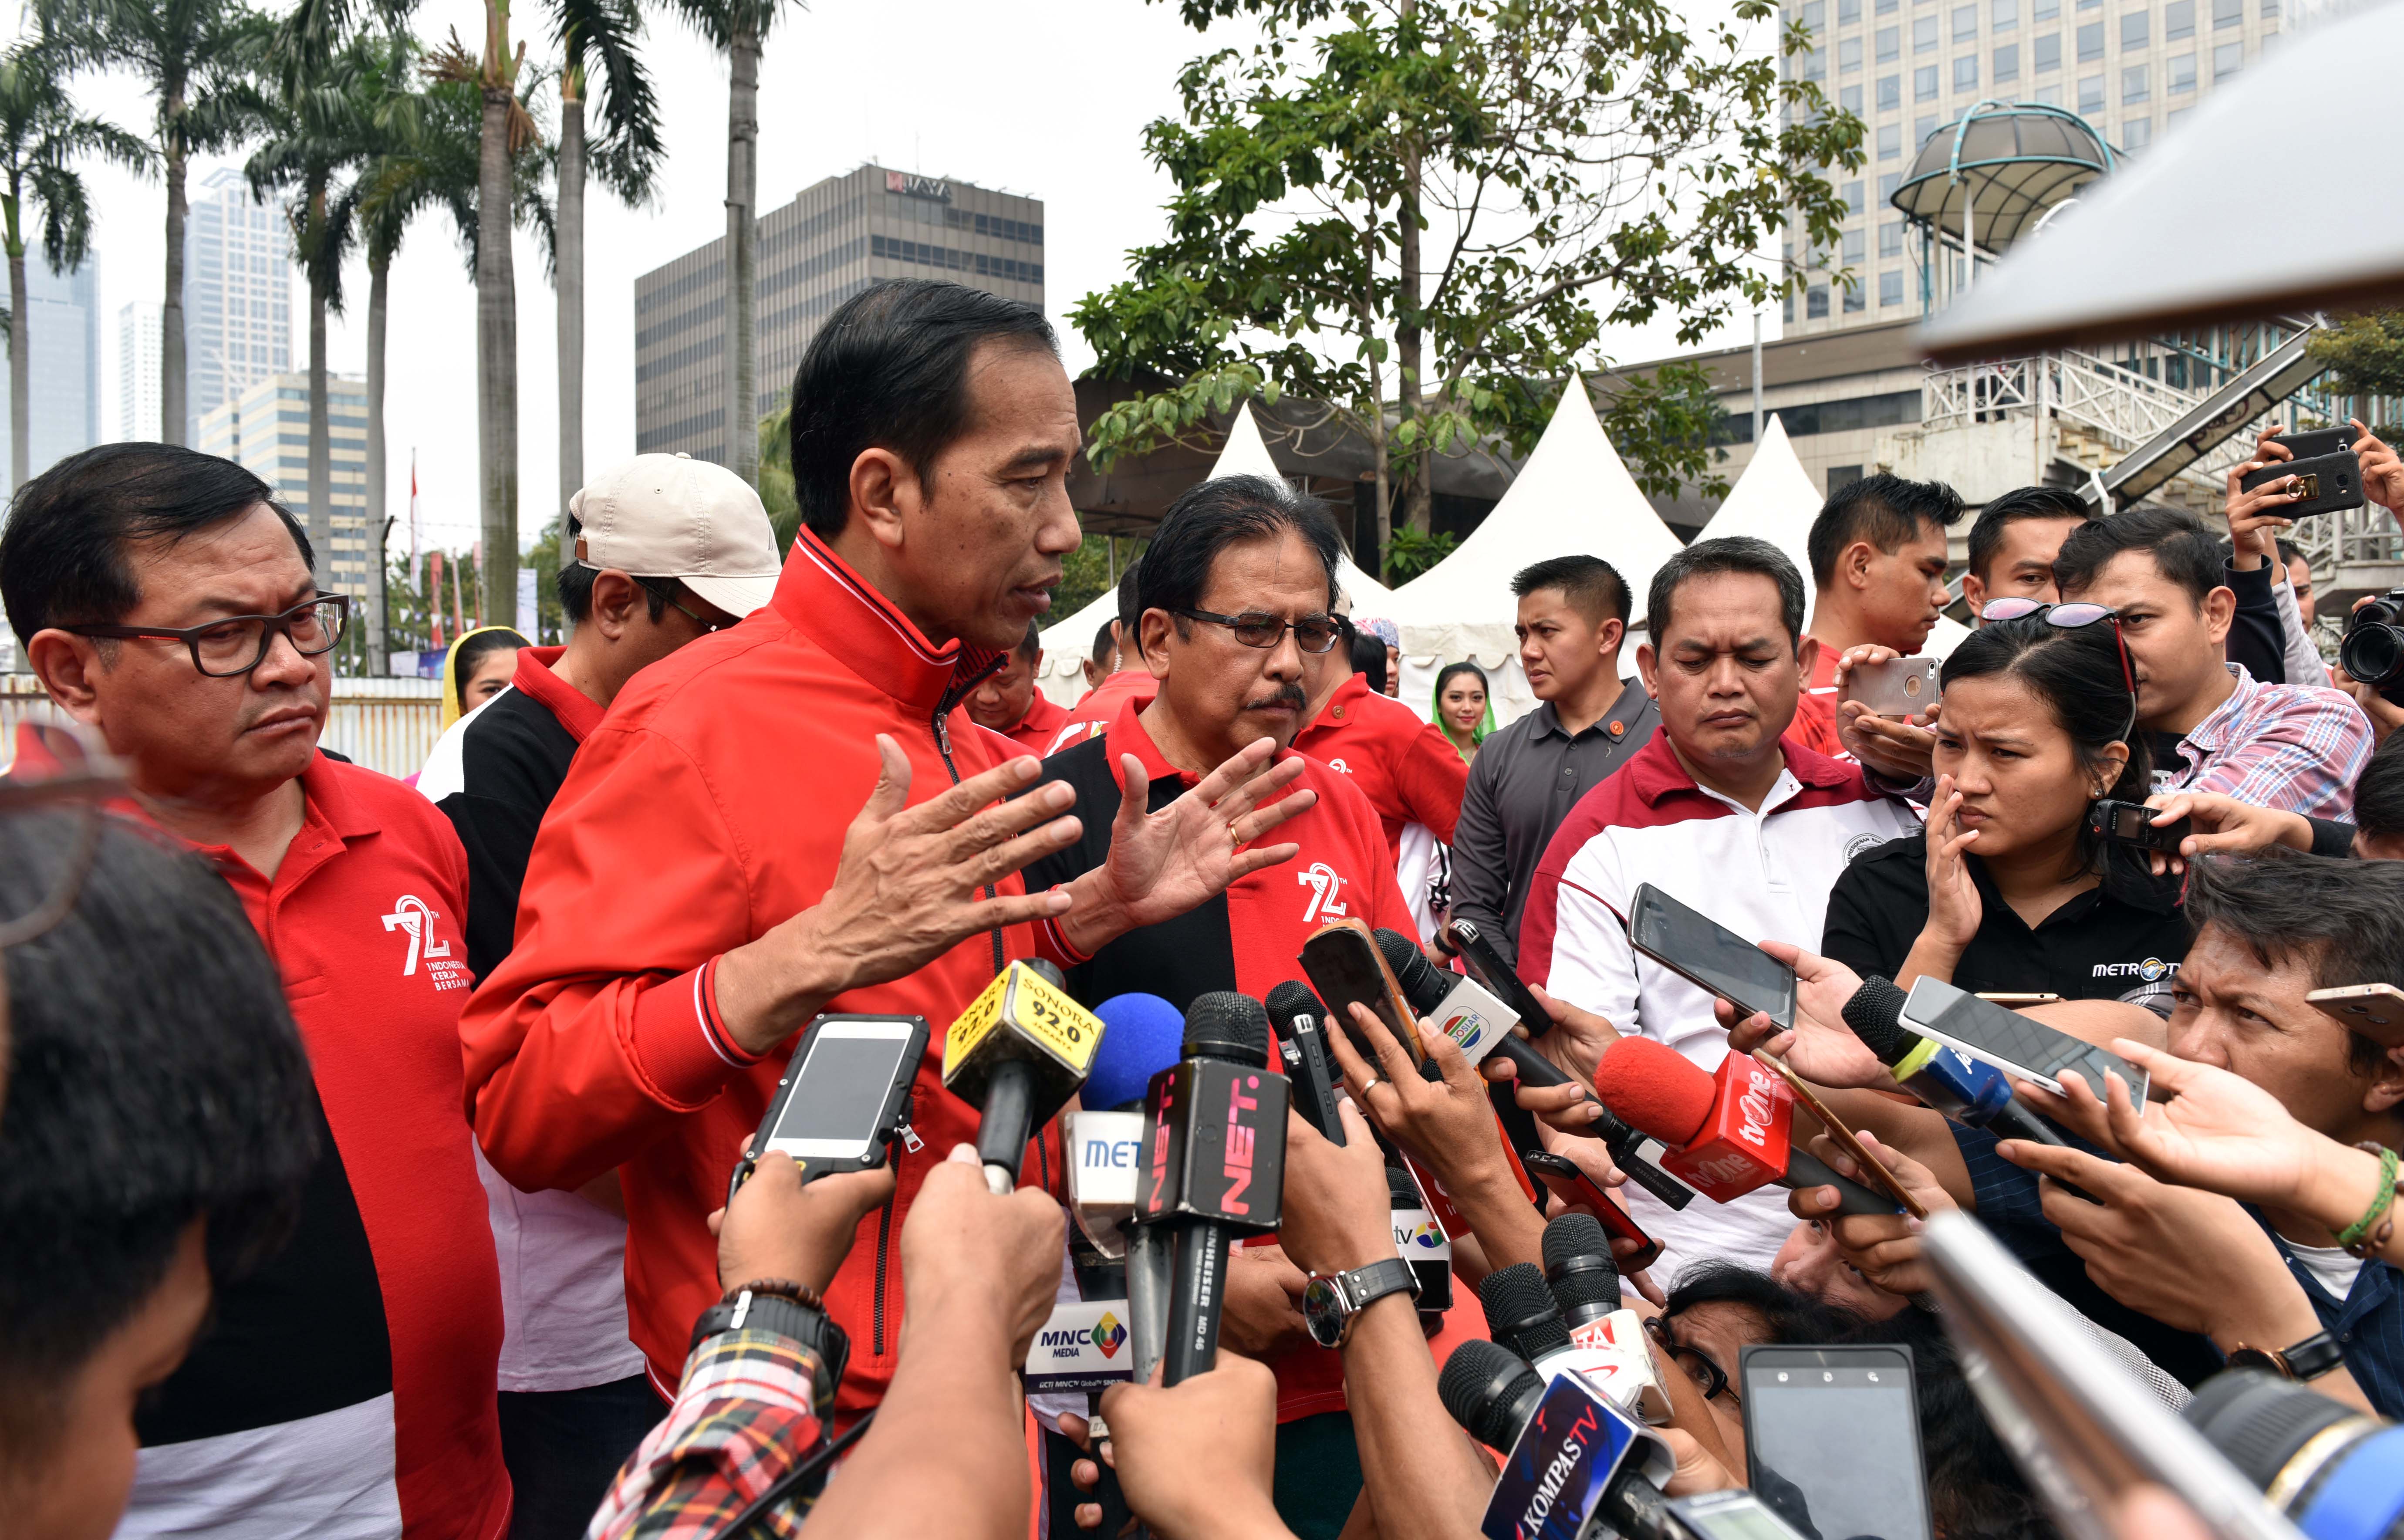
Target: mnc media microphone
(1453,1001)
(1967,1090)
(1585,1285)
(1729,1131)
(1214,1140)
(1301,1024)
(1019,1052)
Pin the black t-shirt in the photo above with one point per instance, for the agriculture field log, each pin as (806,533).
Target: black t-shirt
(2121,939)
(2165,763)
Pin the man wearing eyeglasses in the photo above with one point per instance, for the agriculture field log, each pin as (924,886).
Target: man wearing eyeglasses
(1235,599)
(168,603)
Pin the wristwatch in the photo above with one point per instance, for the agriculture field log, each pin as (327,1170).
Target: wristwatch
(748,1309)
(2310,1359)
(1331,1300)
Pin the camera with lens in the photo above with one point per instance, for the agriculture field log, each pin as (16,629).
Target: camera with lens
(2338,1473)
(2372,650)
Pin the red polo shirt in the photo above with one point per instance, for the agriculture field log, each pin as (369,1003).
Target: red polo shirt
(1815,714)
(1091,716)
(1040,726)
(1405,766)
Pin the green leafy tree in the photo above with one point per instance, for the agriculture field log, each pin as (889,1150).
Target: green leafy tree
(1420,215)
(776,493)
(203,61)
(43,133)
(2364,355)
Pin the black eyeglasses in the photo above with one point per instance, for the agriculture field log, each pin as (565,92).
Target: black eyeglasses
(704,621)
(239,643)
(1695,1363)
(1313,634)
(2071,617)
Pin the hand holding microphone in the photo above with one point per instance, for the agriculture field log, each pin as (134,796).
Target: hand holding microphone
(1196,1460)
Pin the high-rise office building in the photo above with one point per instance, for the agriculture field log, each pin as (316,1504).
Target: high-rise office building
(237,295)
(62,319)
(1909,68)
(820,249)
(137,370)
(266,427)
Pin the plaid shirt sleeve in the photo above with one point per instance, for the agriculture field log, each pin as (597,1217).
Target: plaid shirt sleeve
(2296,748)
(742,1418)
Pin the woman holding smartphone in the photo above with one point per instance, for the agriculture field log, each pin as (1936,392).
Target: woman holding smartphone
(2006,892)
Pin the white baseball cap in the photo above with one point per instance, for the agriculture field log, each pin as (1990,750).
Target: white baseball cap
(674,516)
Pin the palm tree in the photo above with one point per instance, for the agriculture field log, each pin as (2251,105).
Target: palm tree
(42,135)
(201,60)
(595,39)
(738,29)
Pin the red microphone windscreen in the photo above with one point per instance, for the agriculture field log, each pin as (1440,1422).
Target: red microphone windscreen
(1655,1090)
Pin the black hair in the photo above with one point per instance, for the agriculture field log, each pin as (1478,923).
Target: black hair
(479,645)
(1368,652)
(1030,646)
(1209,517)
(889,370)
(2020,502)
(1444,676)
(2344,919)
(2379,791)
(2181,547)
(2075,670)
(1130,605)
(1884,510)
(155,1077)
(2287,551)
(1727,554)
(63,556)
(1790,1315)
(1106,642)
(575,582)
(1592,586)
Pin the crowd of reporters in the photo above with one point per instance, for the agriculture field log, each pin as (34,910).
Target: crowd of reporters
(366,1147)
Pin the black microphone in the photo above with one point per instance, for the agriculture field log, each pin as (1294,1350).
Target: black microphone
(1425,990)
(1578,1269)
(1608,1336)
(1521,1312)
(1299,1017)
(1490,1391)
(1497,1397)
(1965,1089)
(1214,1145)
(1019,1052)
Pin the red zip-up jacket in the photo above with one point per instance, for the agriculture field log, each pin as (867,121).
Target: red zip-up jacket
(708,808)
(1405,766)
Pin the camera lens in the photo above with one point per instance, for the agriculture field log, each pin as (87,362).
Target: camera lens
(2372,652)
(2338,1473)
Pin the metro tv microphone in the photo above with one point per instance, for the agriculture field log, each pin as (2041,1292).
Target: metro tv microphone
(1019,1052)
(1214,1144)
(1729,1131)
(1300,1022)
(1967,1090)
(1447,998)
(1140,1037)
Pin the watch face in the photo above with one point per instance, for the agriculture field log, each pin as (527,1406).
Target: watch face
(1323,1311)
(2256,1358)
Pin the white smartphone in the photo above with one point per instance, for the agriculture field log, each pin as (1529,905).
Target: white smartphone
(2017,1045)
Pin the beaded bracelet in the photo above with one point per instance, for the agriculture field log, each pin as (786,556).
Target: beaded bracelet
(2357,1238)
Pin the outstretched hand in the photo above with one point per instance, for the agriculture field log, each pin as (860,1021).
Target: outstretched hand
(1820,1046)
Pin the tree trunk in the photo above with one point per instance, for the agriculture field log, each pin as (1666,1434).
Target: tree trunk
(174,398)
(20,384)
(321,433)
(742,242)
(379,276)
(1416,501)
(570,265)
(1375,565)
(497,319)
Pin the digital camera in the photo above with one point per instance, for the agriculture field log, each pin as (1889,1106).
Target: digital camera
(2372,650)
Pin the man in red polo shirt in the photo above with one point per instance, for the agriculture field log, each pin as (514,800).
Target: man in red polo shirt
(346,1388)
(781,819)
(1401,762)
(1009,704)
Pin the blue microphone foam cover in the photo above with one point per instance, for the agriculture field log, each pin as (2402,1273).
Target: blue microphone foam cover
(1142,1035)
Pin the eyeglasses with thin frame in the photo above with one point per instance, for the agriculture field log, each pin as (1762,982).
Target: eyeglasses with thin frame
(78,780)
(2071,617)
(237,644)
(1313,634)
(1695,1363)
(707,624)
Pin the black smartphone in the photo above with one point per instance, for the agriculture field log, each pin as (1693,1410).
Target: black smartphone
(844,1097)
(2315,442)
(2132,823)
(2017,1045)
(1345,966)
(1298,1019)
(1709,956)
(1562,1176)
(1832,1438)
(2329,483)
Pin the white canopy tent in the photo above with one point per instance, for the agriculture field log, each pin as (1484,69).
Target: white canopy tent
(1572,497)
(1068,643)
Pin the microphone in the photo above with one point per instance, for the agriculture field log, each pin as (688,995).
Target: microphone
(1967,1090)
(1462,1011)
(1729,1131)
(1214,1132)
(1490,1391)
(1420,1240)
(1577,1463)
(1019,1052)
(1104,1141)
(1521,1312)
(1140,1034)
(1299,1020)
(1585,1283)
(1427,992)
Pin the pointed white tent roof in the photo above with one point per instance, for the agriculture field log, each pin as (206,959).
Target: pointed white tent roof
(1573,496)
(1775,500)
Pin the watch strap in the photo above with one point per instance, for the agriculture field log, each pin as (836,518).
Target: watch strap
(785,1317)
(2315,1356)
(1364,1286)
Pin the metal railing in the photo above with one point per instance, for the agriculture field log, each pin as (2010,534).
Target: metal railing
(384,724)
(2126,408)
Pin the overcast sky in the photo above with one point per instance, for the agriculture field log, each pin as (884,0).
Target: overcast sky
(1049,101)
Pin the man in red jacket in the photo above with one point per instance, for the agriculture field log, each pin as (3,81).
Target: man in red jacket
(702,887)
(1399,760)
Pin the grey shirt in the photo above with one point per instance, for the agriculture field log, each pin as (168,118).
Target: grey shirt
(1524,781)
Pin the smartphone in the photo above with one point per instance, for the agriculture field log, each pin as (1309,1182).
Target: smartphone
(2079,1423)
(843,1098)
(2020,997)
(2132,823)
(1572,1185)
(1899,687)
(2315,442)
(2329,483)
(2013,1043)
(2374,1010)
(1345,966)
(1832,1438)
(1872,1167)
(1709,957)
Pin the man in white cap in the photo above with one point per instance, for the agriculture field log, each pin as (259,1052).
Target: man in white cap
(660,551)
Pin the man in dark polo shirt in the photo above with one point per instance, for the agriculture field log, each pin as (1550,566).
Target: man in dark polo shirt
(1573,613)
(346,1388)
